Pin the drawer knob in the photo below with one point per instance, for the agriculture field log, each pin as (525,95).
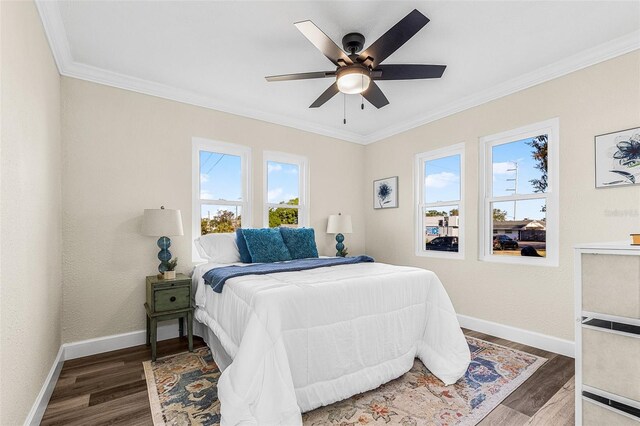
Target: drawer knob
(173,298)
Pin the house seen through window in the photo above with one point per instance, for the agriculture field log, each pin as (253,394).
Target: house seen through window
(520,195)
(519,217)
(439,224)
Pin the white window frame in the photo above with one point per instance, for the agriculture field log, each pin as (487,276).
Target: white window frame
(208,145)
(303,185)
(551,128)
(421,204)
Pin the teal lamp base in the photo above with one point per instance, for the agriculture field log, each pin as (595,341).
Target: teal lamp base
(339,245)
(164,255)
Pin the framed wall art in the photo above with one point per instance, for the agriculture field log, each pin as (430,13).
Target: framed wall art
(385,193)
(618,158)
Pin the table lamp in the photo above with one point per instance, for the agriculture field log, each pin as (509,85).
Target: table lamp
(162,223)
(339,224)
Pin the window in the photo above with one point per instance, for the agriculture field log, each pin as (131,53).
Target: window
(221,195)
(439,178)
(519,195)
(285,190)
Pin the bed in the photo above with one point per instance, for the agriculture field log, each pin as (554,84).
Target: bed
(289,342)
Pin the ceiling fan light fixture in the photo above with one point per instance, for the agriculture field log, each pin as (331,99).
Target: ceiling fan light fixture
(357,72)
(353,80)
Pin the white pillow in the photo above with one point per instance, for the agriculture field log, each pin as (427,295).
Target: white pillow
(218,248)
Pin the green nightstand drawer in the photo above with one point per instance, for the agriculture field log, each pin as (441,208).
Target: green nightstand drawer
(172,299)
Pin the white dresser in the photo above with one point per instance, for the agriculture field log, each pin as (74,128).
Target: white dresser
(607,291)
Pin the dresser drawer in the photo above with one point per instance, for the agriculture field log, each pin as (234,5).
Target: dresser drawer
(611,362)
(172,299)
(611,284)
(595,415)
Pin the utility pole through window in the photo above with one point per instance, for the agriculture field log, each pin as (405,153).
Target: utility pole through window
(515,185)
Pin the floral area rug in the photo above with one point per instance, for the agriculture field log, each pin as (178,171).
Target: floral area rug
(182,391)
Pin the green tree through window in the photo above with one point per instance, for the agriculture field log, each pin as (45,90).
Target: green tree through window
(284,215)
(223,222)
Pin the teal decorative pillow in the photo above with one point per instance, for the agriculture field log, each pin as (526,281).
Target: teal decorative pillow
(266,245)
(301,242)
(245,257)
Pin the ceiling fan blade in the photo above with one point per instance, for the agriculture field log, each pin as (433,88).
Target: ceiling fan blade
(323,43)
(397,35)
(326,95)
(409,71)
(301,76)
(374,95)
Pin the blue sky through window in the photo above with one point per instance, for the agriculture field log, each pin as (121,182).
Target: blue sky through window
(282,182)
(442,179)
(220,176)
(506,158)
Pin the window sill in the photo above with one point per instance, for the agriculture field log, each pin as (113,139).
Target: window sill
(441,254)
(522,260)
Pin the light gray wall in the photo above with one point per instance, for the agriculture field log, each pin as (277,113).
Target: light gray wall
(30,220)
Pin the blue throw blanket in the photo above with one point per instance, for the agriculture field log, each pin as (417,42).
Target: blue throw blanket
(218,276)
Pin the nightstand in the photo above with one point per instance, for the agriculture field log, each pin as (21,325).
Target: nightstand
(166,300)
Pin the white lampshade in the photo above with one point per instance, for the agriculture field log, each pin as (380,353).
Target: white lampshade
(339,224)
(162,222)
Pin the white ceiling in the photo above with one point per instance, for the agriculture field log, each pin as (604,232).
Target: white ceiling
(216,54)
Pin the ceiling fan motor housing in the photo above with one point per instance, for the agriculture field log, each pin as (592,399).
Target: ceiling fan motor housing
(353,42)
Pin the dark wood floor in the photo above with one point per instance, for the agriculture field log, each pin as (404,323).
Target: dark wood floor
(110,388)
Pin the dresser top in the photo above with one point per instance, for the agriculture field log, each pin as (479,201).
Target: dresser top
(612,245)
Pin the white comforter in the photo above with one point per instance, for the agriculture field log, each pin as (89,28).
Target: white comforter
(300,340)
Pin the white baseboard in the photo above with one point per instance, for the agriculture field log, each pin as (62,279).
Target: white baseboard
(40,405)
(116,341)
(519,335)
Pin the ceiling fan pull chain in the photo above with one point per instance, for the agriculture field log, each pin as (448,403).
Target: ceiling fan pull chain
(344,117)
(361,94)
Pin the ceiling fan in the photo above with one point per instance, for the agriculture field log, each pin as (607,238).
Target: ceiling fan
(356,73)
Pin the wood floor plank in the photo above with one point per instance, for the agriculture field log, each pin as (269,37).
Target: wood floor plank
(118,392)
(97,384)
(541,386)
(504,416)
(70,404)
(87,369)
(559,410)
(117,411)
(107,372)
(66,381)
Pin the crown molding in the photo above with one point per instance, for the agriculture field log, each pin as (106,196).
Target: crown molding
(584,59)
(121,81)
(54,28)
(55,32)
